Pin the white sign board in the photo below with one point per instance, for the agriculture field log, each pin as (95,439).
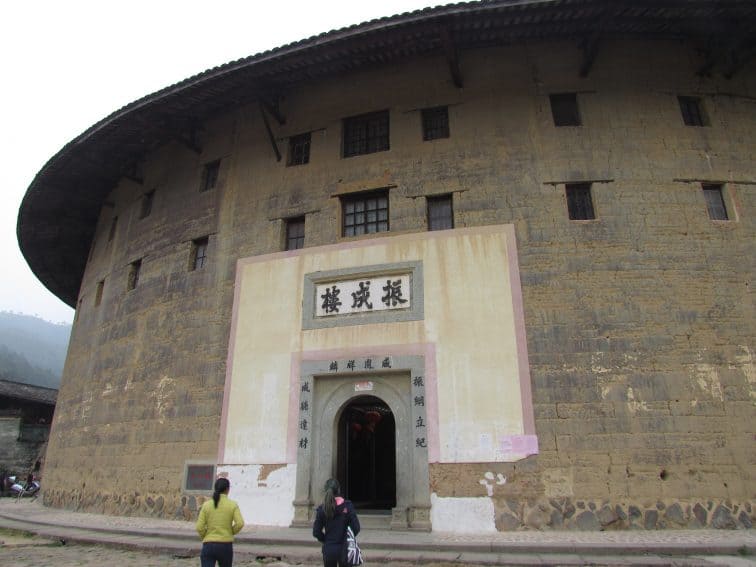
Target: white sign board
(377,293)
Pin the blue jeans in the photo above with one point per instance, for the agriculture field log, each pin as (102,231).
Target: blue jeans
(223,553)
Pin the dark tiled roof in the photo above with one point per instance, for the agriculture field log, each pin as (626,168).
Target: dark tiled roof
(58,214)
(28,393)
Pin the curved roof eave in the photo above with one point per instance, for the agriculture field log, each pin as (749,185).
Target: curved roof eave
(58,214)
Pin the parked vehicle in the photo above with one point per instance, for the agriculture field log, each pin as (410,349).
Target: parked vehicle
(20,489)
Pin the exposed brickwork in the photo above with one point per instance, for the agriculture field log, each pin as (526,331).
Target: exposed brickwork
(640,324)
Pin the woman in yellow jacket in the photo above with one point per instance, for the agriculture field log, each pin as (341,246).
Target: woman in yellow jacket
(219,520)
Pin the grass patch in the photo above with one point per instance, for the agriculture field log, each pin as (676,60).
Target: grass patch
(15,533)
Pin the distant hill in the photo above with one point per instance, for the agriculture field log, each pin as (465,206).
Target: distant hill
(32,350)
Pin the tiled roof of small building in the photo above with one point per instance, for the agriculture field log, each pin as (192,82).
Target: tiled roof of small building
(27,392)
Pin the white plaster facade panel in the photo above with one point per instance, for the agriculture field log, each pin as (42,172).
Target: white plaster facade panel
(263,502)
(470,316)
(463,515)
(468,401)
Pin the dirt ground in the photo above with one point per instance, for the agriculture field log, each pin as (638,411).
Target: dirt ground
(18,550)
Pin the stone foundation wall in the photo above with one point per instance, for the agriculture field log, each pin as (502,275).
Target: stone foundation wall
(589,515)
(129,504)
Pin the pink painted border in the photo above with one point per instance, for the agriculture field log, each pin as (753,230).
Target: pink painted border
(373,240)
(427,350)
(229,361)
(526,394)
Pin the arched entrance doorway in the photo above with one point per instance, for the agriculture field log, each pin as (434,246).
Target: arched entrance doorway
(366,453)
(330,401)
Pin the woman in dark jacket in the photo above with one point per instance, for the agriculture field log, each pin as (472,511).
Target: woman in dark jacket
(331,521)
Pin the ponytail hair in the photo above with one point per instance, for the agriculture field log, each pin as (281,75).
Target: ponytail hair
(221,485)
(331,490)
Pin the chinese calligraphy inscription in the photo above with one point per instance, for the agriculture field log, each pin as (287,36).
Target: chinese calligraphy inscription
(368,295)
(418,413)
(305,393)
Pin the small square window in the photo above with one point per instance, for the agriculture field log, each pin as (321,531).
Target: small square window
(146,207)
(435,123)
(715,201)
(134,269)
(199,254)
(98,293)
(691,108)
(295,233)
(113,225)
(299,149)
(365,213)
(366,134)
(440,213)
(579,202)
(564,109)
(210,175)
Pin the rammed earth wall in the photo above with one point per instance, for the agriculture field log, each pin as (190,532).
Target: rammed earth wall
(640,323)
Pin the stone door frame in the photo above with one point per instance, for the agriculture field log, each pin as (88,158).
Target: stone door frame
(327,387)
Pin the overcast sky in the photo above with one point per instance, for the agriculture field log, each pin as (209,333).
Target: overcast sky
(66,64)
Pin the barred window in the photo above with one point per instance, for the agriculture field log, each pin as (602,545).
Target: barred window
(146,207)
(299,149)
(435,123)
(715,201)
(692,111)
(579,202)
(564,109)
(295,233)
(210,175)
(366,134)
(134,269)
(199,254)
(440,212)
(98,293)
(365,213)
(113,225)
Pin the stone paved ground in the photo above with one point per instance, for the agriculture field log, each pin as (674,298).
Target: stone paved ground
(23,551)
(525,548)
(90,556)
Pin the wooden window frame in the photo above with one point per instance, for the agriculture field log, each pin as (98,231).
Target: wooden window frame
(113,226)
(99,292)
(580,201)
(692,111)
(365,213)
(294,241)
(134,272)
(366,134)
(299,149)
(434,204)
(565,109)
(210,175)
(716,204)
(435,123)
(199,254)
(145,209)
